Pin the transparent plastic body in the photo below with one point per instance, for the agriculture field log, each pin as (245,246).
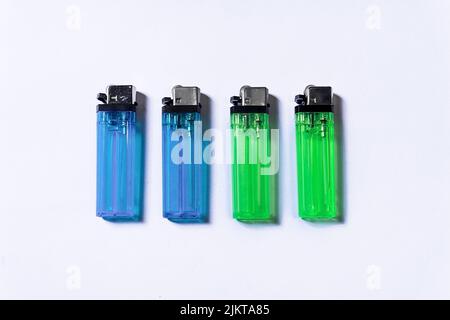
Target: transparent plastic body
(118,181)
(316,166)
(184,172)
(251,187)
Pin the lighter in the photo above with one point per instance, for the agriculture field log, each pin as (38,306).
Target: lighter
(250,133)
(184,171)
(118,169)
(316,167)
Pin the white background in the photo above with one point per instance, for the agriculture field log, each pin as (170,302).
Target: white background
(389,61)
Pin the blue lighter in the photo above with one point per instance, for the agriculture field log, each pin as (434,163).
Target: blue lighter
(119,152)
(184,171)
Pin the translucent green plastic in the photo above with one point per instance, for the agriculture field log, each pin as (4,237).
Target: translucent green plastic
(250,148)
(316,166)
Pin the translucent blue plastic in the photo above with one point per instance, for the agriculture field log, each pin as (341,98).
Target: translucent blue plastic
(118,166)
(185,194)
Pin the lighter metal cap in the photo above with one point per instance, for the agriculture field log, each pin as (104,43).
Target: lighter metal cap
(123,94)
(186,96)
(315,99)
(318,96)
(254,96)
(118,98)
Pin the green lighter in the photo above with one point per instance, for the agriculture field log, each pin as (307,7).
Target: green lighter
(316,154)
(250,133)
